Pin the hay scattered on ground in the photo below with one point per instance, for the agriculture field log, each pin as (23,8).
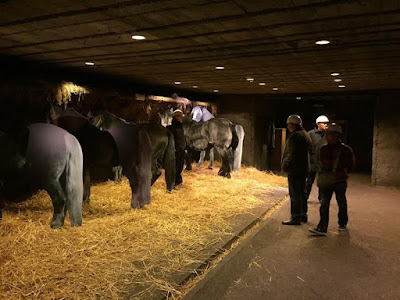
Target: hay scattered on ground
(118,252)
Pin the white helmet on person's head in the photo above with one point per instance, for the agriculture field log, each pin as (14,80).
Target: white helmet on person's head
(177,112)
(322,119)
(334,128)
(294,119)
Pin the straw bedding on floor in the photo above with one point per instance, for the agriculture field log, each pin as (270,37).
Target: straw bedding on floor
(118,252)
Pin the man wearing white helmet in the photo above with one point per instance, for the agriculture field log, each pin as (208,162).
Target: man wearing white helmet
(296,163)
(180,143)
(317,136)
(337,161)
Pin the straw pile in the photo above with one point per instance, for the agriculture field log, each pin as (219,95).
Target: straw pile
(118,252)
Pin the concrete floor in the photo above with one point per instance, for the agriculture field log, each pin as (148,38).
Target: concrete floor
(283,262)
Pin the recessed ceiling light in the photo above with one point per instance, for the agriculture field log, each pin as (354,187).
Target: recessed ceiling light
(138,37)
(341,86)
(215,91)
(275,88)
(177,82)
(195,86)
(220,68)
(335,74)
(250,79)
(298,98)
(261,83)
(89,63)
(337,80)
(322,42)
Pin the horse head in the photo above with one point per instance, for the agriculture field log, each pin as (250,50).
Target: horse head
(166,117)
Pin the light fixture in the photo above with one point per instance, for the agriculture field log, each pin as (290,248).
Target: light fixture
(335,74)
(322,42)
(215,91)
(298,98)
(341,86)
(177,82)
(337,80)
(138,37)
(89,63)
(249,79)
(275,88)
(195,86)
(261,83)
(220,68)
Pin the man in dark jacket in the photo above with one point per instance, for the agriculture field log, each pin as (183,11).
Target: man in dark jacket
(180,143)
(337,160)
(317,136)
(296,163)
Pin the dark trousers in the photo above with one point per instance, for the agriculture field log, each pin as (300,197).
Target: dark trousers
(180,159)
(297,193)
(309,183)
(326,195)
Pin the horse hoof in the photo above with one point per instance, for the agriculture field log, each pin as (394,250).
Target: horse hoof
(210,168)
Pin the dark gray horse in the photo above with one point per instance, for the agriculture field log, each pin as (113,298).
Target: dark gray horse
(216,133)
(162,141)
(43,156)
(99,148)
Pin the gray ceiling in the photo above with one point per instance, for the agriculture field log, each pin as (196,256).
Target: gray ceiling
(271,41)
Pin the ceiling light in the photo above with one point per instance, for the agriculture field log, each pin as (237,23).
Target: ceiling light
(341,86)
(322,42)
(275,88)
(195,86)
(335,74)
(177,82)
(220,68)
(298,98)
(215,91)
(261,83)
(250,79)
(138,37)
(337,80)
(89,63)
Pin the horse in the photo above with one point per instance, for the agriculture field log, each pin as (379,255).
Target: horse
(216,133)
(43,156)
(162,141)
(99,148)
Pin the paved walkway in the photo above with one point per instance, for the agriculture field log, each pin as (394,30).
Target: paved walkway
(280,262)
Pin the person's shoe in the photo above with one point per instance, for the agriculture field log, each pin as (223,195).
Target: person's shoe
(291,221)
(317,231)
(342,228)
(304,219)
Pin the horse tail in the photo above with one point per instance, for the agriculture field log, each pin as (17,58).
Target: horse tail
(237,159)
(74,181)
(169,162)
(235,138)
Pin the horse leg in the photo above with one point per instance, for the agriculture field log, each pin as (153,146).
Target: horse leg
(117,171)
(189,160)
(201,160)
(155,171)
(169,163)
(59,203)
(86,184)
(227,157)
(211,165)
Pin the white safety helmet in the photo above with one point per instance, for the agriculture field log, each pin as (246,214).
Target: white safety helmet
(322,119)
(294,119)
(334,128)
(177,112)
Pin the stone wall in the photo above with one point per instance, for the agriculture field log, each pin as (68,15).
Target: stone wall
(386,154)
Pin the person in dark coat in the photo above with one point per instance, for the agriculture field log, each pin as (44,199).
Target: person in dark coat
(337,161)
(317,136)
(296,163)
(180,143)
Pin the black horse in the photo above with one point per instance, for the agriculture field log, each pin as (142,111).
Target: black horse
(216,133)
(162,141)
(99,148)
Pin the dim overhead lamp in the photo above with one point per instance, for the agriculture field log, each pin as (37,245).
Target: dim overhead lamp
(275,88)
(215,91)
(337,80)
(322,42)
(138,37)
(261,83)
(195,86)
(249,79)
(335,74)
(341,86)
(89,63)
(177,82)
(220,68)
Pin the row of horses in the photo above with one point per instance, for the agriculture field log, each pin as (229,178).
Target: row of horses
(59,156)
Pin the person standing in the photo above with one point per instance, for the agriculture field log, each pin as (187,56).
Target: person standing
(337,161)
(296,163)
(317,136)
(180,143)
